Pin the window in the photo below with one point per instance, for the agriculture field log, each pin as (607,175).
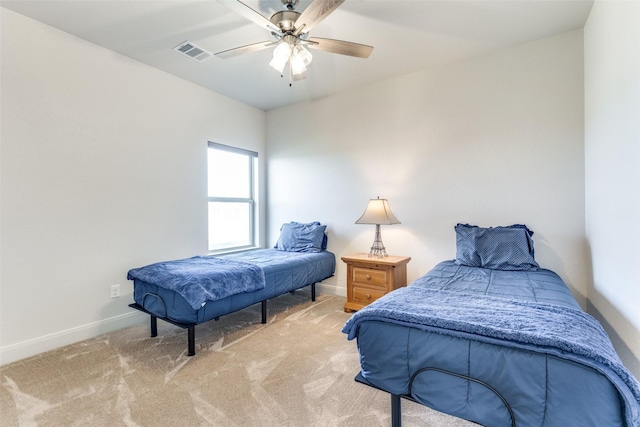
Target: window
(232,201)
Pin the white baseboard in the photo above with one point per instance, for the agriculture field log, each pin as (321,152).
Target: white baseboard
(328,289)
(35,346)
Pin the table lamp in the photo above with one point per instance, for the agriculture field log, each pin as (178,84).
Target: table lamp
(378,212)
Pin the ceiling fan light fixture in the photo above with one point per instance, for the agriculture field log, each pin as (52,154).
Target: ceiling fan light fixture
(299,76)
(299,51)
(298,68)
(281,55)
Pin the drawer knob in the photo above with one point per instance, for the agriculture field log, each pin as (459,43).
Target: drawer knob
(368,277)
(368,296)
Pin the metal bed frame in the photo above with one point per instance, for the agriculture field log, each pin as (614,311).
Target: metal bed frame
(190,327)
(396,399)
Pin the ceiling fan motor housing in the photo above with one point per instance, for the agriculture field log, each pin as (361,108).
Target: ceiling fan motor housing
(285,20)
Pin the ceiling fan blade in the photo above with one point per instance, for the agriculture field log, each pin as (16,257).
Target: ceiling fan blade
(314,13)
(341,47)
(256,17)
(230,53)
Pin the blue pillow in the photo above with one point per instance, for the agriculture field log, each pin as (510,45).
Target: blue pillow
(302,237)
(497,248)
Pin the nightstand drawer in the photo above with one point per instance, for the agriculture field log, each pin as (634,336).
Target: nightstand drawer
(370,276)
(365,296)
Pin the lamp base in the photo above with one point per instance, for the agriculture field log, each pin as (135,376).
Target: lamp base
(377,248)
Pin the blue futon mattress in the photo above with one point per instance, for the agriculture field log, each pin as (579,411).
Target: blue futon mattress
(283,272)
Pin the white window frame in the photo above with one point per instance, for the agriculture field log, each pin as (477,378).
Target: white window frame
(252,158)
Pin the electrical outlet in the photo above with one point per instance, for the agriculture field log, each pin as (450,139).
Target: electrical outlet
(115,291)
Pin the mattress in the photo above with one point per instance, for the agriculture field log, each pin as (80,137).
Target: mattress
(474,368)
(283,272)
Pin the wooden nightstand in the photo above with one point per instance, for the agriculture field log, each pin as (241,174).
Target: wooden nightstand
(370,278)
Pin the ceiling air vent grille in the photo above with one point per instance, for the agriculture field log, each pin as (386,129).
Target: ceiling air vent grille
(192,51)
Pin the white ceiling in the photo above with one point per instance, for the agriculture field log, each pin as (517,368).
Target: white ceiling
(407,35)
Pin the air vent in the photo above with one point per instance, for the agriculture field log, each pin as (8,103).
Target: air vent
(192,51)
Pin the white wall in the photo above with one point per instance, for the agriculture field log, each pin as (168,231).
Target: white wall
(612,153)
(97,151)
(491,141)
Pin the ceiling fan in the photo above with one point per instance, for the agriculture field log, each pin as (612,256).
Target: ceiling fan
(290,30)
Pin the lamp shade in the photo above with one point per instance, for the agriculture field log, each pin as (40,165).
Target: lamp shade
(378,212)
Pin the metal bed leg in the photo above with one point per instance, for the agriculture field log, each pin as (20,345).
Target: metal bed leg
(313,292)
(264,311)
(154,326)
(191,333)
(396,410)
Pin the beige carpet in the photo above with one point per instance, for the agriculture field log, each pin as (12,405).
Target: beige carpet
(297,370)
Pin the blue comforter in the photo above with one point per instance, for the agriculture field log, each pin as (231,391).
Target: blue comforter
(202,279)
(558,330)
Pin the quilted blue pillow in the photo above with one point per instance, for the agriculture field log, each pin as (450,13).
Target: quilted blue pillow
(497,248)
(302,237)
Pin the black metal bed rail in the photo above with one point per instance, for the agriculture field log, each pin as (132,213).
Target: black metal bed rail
(468,378)
(191,327)
(396,399)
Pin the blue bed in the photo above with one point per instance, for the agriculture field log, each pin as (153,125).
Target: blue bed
(494,346)
(191,291)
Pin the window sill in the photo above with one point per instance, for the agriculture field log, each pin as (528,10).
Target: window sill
(234,250)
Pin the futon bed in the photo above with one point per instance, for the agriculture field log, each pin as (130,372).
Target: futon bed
(191,291)
(492,338)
